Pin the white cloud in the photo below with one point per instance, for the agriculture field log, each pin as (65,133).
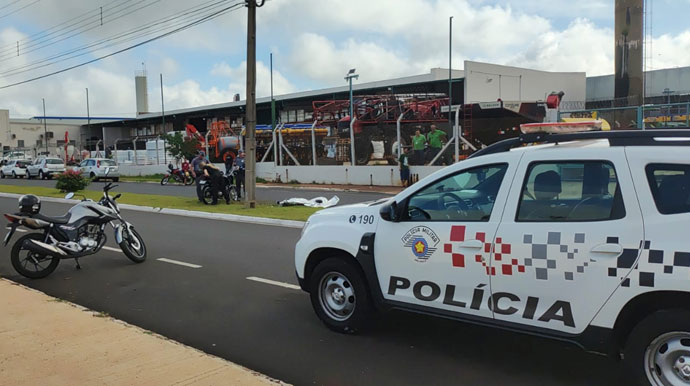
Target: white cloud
(238,79)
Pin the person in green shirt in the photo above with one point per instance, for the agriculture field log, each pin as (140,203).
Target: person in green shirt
(418,143)
(435,138)
(404,162)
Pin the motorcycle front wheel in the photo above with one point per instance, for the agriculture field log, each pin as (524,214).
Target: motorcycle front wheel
(31,264)
(165,180)
(133,245)
(207,195)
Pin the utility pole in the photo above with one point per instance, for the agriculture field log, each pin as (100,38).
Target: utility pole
(273,102)
(162,104)
(45,126)
(450,73)
(351,75)
(250,140)
(88,117)
(165,150)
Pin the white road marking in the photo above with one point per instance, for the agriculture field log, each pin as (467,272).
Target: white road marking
(182,263)
(112,249)
(273,282)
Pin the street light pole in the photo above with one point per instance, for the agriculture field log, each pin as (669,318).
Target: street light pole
(450,72)
(45,126)
(351,75)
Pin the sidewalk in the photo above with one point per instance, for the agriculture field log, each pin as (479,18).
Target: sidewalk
(348,188)
(46,341)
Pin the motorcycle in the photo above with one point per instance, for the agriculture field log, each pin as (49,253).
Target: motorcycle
(177,175)
(207,193)
(79,233)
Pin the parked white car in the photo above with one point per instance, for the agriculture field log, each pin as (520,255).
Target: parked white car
(14,168)
(16,155)
(582,238)
(95,168)
(45,168)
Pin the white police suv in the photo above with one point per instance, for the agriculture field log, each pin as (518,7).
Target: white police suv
(578,237)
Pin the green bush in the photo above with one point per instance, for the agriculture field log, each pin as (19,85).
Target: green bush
(71,181)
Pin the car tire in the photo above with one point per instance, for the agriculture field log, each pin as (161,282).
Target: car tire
(41,175)
(116,179)
(93,177)
(2,175)
(662,335)
(339,296)
(14,175)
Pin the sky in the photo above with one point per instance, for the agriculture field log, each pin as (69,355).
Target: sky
(314,43)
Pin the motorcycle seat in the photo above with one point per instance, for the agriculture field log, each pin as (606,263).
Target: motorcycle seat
(55,220)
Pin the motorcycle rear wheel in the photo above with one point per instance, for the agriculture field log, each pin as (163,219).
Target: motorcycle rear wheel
(23,260)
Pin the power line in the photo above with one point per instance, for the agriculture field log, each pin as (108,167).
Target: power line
(127,36)
(187,26)
(10,4)
(18,9)
(46,31)
(94,24)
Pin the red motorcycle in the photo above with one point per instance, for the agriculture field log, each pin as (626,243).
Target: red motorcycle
(177,175)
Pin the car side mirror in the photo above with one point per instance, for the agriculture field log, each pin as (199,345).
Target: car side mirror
(69,196)
(390,212)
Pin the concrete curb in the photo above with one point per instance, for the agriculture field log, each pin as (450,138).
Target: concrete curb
(186,213)
(288,186)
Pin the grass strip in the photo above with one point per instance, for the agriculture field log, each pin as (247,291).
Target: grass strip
(298,213)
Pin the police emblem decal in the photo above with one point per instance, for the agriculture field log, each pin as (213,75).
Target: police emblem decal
(422,241)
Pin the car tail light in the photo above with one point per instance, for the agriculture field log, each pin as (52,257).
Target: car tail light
(98,164)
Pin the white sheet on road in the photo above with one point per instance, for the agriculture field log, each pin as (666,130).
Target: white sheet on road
(318,202)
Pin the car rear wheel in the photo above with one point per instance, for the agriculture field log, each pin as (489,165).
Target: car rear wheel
(41,175)
(658,349)
(340,296)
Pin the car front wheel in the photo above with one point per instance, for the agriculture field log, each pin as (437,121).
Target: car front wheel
(658,349)
(339,296)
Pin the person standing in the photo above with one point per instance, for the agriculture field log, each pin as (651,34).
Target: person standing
(404,162)
(229,160)
(239,177)
(418,143)
(198,173)
(435,138)
(217,182)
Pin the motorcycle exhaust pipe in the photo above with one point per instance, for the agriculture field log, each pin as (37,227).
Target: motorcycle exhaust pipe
(43,248)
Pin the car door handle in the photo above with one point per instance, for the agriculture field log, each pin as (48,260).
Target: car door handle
(609,249)
(471,244)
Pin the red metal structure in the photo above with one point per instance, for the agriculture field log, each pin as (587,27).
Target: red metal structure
(222,140)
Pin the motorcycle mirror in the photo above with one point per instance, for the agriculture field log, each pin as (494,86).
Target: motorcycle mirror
(69,196)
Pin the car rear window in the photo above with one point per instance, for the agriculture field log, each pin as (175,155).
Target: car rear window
(670,186)
(22,163)
(107,162)
(53,161)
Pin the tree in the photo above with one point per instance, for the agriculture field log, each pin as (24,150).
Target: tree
(181,147)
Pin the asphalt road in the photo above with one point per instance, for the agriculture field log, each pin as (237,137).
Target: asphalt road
(273,330)
(265,194)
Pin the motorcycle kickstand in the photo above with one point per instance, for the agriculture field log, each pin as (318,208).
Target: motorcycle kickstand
(76,260)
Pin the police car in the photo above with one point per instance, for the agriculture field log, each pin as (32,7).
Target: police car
(573,236)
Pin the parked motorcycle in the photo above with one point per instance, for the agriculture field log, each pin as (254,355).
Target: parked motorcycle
(176,175)
(207,193)
(79,233)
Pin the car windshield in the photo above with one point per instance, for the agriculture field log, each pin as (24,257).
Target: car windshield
(107,162)
(53,161)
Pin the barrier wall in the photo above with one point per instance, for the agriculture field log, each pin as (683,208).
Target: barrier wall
(342,175)
(358,175)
